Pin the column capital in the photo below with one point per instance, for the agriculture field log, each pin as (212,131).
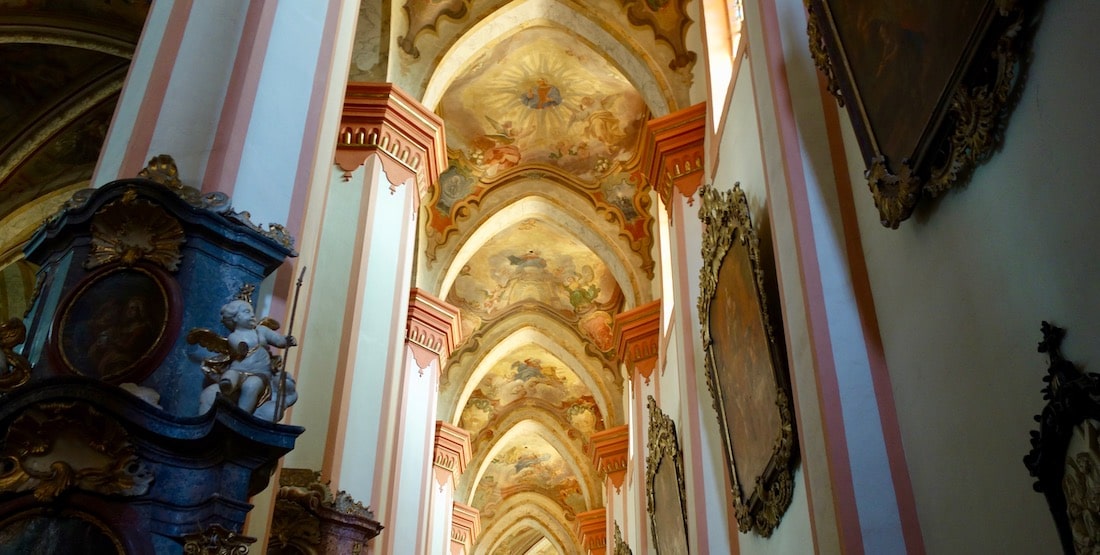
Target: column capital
(674,153)
(637,334)
(609,449)
(452,451)
(591,528)
(433,329)
(409,138)
(465,528)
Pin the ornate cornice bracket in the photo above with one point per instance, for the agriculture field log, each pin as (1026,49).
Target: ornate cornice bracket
(433,330)
(452,451)
(610,449)
(379,118)
(465,527)
(674,153)
(591,528)
(637,334)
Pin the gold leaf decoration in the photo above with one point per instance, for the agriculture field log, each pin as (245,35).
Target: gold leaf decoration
(131,230)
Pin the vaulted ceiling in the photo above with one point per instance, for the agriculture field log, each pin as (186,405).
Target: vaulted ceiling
(540,231)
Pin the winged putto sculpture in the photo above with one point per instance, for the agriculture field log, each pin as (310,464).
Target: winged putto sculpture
(241,366)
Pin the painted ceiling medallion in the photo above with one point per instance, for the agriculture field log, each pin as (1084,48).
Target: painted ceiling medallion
(132,230)
(54,447)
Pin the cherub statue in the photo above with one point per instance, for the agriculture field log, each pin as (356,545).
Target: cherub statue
(243,367)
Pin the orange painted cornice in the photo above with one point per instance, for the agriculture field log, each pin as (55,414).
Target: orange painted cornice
(609,453)
(409,138)
(591,528)
(452,449)
(433,328)
(637,332)
(674,153)
(465,527)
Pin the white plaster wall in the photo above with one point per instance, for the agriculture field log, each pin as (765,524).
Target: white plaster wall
(960,291)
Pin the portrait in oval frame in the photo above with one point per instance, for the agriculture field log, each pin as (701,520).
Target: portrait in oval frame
(118,324)
(746,365)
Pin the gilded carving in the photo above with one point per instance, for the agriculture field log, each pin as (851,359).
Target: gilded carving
(665,503)
(15,369)
(54,447)
(621,547)
(745,364)
(934,103)
(162,169)
(820,55)
(216,540)
(131,230)
(312,519)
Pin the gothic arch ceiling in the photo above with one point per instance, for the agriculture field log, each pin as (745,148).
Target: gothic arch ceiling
(540,231)
(62,65)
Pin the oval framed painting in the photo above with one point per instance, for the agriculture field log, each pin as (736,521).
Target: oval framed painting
(118,324)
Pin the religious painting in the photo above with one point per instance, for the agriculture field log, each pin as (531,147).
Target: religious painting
(537,263)
(528,463)
(666,500)
(927,84)
(1065,451)
(118,324)
(530,377)
(745,364)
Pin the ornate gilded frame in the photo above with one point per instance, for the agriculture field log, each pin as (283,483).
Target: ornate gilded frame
(1065,451)
(746,365)
(928,90)
(664,450)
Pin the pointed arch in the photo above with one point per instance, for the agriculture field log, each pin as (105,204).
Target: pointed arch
(642,71)
(527,511)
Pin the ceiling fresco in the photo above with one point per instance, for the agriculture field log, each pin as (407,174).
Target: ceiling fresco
(528,464)
(536,263)
(543,104)
(529,378)
(540,231)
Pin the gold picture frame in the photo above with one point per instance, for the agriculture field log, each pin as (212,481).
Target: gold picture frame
(928,86)
(746,366)
(665,492)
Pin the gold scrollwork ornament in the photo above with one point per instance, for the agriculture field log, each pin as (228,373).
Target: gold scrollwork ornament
(131,230)
(216,540)
(15,369)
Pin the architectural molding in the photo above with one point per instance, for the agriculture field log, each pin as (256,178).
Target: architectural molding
(451,453)
(674,153)
(637,334)
(610,449)
(465,528)
(433,330)
(379,118)
(591,528)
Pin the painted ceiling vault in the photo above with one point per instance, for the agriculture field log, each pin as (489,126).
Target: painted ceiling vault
(540,231)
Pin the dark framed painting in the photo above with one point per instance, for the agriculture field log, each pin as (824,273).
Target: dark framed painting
(117,324)
(665,492)
(746,365)
(1065,451)
(927,83)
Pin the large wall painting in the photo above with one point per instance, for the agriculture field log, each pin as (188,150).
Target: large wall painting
(927,84)
(535,263)
(745,364)
(530,377)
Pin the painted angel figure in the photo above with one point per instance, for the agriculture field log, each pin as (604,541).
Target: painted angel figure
(242,367)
